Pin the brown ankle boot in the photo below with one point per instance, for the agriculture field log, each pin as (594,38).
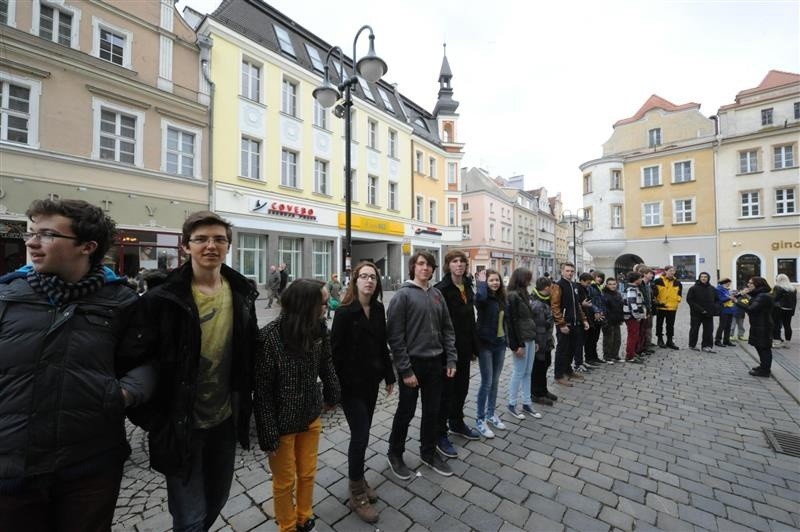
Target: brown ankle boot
(359,502)
(371,495)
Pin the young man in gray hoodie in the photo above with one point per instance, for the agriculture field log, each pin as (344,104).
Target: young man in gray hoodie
(422,341)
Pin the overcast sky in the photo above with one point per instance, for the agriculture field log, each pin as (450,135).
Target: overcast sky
(541,83)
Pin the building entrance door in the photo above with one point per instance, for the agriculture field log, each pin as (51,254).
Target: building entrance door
(747,266)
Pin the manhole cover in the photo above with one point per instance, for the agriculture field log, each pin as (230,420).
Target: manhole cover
(784,442)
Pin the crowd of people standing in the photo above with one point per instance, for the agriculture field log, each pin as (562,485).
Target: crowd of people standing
(185,361)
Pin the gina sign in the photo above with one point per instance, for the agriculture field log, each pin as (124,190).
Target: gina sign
(284,209)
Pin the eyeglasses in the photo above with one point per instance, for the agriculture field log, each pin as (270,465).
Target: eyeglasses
(45,237)
(204,240)
(367,277)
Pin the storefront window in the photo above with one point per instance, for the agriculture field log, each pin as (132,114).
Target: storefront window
(134,250)
(252,256)
(747,266)
(290,252)
(686,267)
(788,267)
(12,247)
(321,256)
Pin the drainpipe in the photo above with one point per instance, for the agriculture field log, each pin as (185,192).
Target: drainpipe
(715,166)
(205,43)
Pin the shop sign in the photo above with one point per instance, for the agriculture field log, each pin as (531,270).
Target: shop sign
(498,255)
(373,225)
(784,244)
(427,231)
(288,210)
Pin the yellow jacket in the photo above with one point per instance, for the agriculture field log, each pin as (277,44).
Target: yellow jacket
(668,293)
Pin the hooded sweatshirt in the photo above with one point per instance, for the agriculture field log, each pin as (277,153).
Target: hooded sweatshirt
(418,325)
(702,297)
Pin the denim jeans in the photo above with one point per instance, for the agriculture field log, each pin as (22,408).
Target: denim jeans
(358,406)
(429,373)
(196,502)
(490,361)
(521,376)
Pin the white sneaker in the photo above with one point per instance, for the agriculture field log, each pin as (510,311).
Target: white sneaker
(777,343)
(514,412)
(494,420)
(484,429)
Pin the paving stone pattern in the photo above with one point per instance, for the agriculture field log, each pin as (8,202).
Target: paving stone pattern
(674,444)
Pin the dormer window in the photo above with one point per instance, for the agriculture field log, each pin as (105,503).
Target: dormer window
(316,61)
(766,117)
(387,103)
(421,123)
(654,137)
(284,41)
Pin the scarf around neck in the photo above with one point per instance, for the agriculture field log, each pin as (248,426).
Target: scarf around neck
(60,292)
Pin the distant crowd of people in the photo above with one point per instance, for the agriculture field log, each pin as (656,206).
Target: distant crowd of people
(185,360)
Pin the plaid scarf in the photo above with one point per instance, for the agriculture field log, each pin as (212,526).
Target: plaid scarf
(60,291)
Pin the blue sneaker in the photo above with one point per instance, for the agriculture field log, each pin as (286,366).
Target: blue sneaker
(465,432)
(531,412)
(445,448)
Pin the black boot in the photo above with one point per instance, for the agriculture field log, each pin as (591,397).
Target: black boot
(671,344)
(661,342)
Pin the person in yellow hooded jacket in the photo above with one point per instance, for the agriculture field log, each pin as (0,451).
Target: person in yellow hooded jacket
(668,295)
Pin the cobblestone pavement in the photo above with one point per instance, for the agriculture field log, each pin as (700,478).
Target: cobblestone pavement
(674,444)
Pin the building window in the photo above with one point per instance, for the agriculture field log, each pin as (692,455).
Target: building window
(683,211)
(55,25)
(290,252)
(748,161)
(316,61)
(616,216)
(372,190)
(393,195)
(19,109)
(117,137)
(320,115)
(685,267)
(465,207)
(785,202)
(432,167)
(432,208)
(784,156)
(651,214)
(788,267)
(452,173)
(252,256)
(112,47)
(180,152)
(419,206)
(491,231)
(289,98)
(372,133)
(111,43)
(452,209)
(654,137)
(616,180)
(251,81)
(284,41)
(491,208)
(418,156)
(587,183)
(682,172)
(321,254)
(797,110)
(387,103)
(766,116)
(289,168)
(588,215)
(750,203)
(251,158)
(651,176)
(353,125)
(465,231)
(365,89)
(392,143)
(321,177)
(353,185)
(4,12)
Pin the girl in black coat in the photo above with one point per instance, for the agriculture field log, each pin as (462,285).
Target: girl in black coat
(361,358)
(757,302)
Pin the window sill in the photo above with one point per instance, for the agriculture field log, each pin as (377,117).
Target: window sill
(751,217)
(795,167)
(373,149)
(652,186)
(254,102)
(322,129)
(321,195)
(252,179)
(694,222)
(653,225)
(392,210)
(290,187)
(684,182)
(293,117)
(373,206)
(787,214)
(750,173)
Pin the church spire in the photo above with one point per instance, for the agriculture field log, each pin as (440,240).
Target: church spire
(445,103)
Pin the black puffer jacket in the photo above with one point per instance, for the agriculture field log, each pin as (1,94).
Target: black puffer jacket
(169,321)
(758,304)
(703,299)
(462,315)
(61,407)
(520,327)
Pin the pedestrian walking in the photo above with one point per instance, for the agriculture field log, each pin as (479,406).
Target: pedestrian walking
(422,342)
(614,318)
(758,302)
(335,291)
(491,303)
(544,322)
(273,285)
(294,351)
(668,295)
(200,325)
(283,271)
(522,342)
(456,288)
(703,302)
(570,324)
(723,336)
(785,296)
(634,313)
(361,358)
(65,382)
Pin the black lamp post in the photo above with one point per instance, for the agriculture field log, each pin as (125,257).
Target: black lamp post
(578,217)
(371,68)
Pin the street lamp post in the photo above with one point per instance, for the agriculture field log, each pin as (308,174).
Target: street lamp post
(371,68)
(578,217)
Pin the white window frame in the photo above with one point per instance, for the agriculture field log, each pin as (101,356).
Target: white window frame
(372,133)
(419,205)
(392,140)
(61,6)
(660,214)
(587,183)
(491,231)
(387,103)
(316,60)
(452,173)
(616,208)
(676,220)
(654,137)
(418,159)
(750,162)
(784,202)
(290,169)
(321,250)
(616,182)
(372,190)
(245,172)
(392,195)
(284,41)
(290,251)
(258,253)
(433,211)
(464,206)
(198,143)
(465,231)
(675,171)
(320,115)
(322,181)
(35,88)
(452,213)
(290,97)
(658,169)
(432,167)
(783,159)
(98,104)
(251,64)
(750,204)
(767,116)
(97,25)
(11,15)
